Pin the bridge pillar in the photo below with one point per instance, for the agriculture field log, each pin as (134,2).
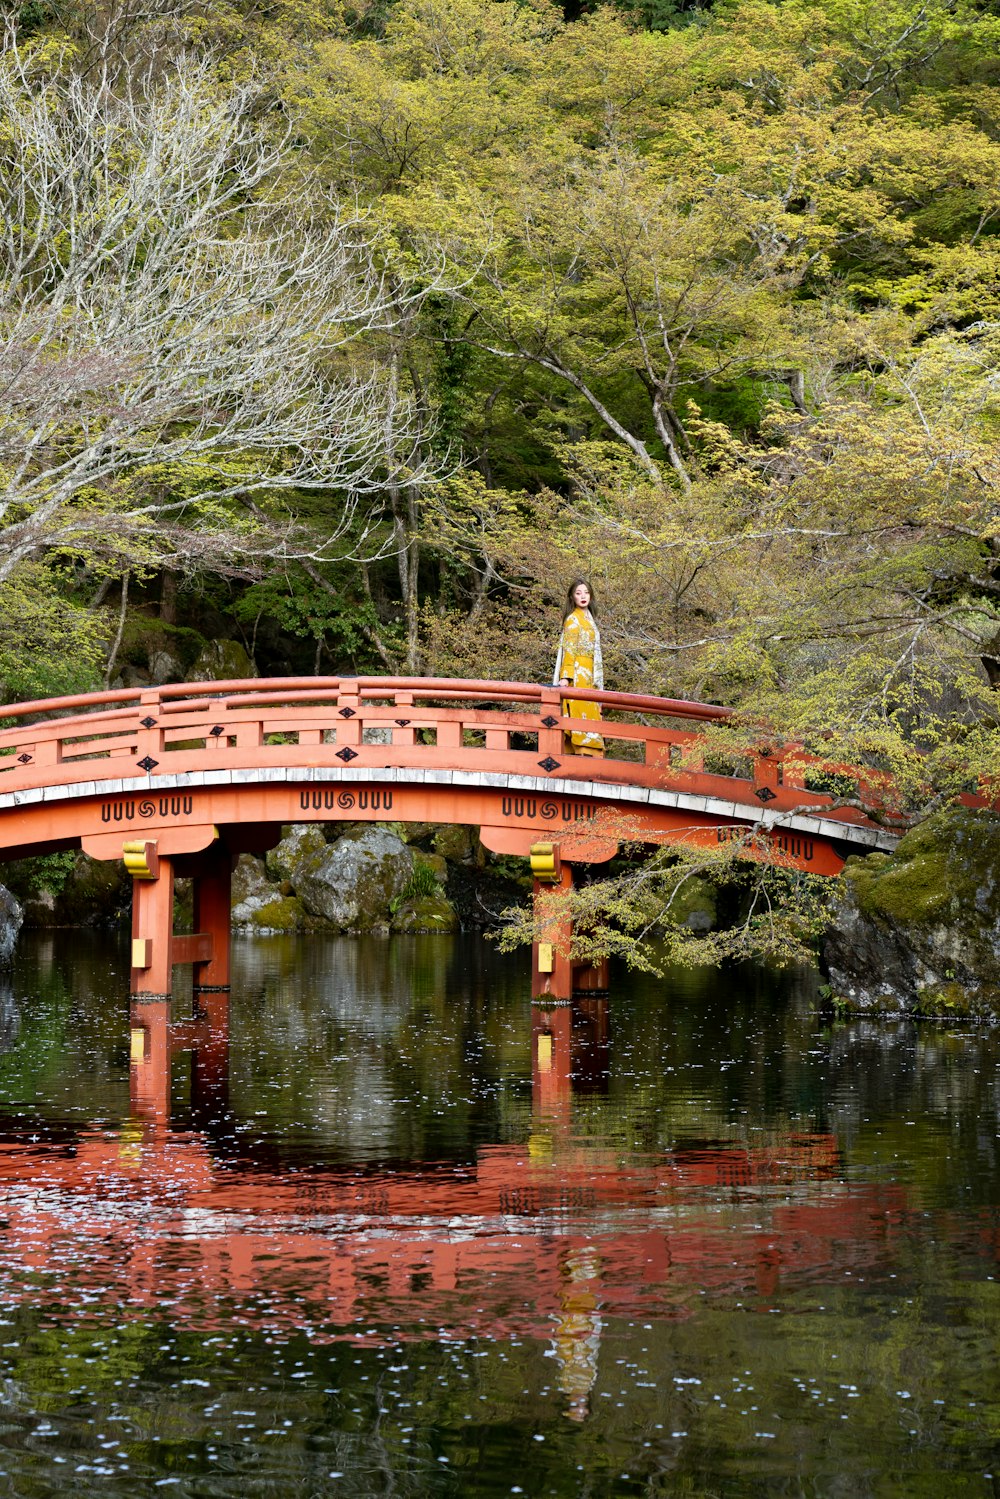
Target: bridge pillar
(551,964)
(213,888)
(152,931)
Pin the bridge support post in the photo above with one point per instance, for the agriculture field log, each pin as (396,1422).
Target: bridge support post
(152,931)
(551,964)
(213,888)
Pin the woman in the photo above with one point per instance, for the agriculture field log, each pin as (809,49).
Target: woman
(578,663)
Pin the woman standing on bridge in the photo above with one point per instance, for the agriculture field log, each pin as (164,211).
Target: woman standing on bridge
(578,663)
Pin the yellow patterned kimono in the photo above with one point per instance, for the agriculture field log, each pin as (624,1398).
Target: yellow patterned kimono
(579,660)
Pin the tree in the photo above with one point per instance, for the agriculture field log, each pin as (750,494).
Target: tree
(182,313)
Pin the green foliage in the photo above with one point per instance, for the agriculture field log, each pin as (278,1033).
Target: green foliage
(49,643)
(333,614)
(423,882)
(45,873)
(638,913)
(34,16)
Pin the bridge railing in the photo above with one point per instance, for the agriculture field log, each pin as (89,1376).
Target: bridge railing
(378,722)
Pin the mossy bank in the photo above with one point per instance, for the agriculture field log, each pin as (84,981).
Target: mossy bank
(918,931)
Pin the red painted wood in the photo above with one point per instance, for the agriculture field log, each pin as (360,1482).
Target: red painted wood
(192,947)
(492,727)
(152,923)
(213,882)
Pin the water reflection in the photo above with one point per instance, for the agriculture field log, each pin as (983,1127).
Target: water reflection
(527,1236)
(671,1226)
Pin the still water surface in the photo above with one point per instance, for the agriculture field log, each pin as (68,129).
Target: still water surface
(379,1228)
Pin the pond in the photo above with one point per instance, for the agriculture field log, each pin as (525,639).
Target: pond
(374,1225)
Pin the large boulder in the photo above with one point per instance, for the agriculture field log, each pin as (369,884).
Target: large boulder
(352,884)
(423,905)
(71,889)
(425,913)
(11,917)
(261,905)
(458,844)
(222,661)
(367,880)
(299,848)
(918,930)
(165,667)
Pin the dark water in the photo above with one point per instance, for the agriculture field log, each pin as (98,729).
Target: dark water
(383,1230)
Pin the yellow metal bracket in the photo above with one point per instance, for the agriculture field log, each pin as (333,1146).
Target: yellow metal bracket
(141,859)
(545,863)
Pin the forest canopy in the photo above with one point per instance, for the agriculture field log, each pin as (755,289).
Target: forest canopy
(353,331)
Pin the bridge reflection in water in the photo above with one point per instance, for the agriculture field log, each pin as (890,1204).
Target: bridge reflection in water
(548,1237)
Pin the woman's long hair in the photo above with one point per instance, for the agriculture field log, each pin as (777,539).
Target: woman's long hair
(571,603)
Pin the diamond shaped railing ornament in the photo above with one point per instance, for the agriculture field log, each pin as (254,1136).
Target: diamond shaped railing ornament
(148,723)
(216,730)
(347,712)
(347,754)
(765,794)
(549,764)
(147,763)
(25,759)
(403,722)
(549,721)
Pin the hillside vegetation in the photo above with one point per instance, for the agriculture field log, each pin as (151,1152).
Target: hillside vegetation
(353,333)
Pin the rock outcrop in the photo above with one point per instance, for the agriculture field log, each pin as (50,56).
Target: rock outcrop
(70,889)
(322,877)
(368,878)
(222,661)
(918,931)
(11,917)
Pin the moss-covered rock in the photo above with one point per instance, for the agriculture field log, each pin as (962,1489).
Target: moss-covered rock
(271,913)
(10,923)
(222,661)
(457,844)
(918,930)
(298,847)
(413,832)
(425,913)
(70,889)
(351,885)
(429,867)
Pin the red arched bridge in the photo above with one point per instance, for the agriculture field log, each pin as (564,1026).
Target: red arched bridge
(181,779)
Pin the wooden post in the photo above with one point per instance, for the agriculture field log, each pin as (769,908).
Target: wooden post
(551,965)
(213,888)
(152,929)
